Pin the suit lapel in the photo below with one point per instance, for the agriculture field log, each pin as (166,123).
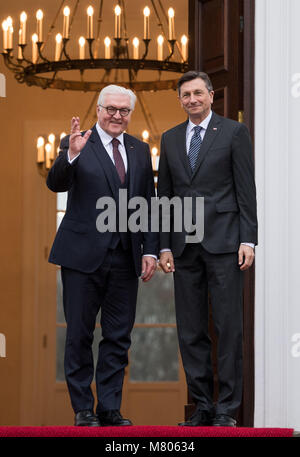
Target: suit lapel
(132,161)
(104,159)
(213,130)
(181,147)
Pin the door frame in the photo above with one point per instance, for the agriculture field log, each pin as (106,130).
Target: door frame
(246,109)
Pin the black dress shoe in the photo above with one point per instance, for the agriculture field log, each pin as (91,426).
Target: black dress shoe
(223,420)
(86,419)
(198,419)
(113,418)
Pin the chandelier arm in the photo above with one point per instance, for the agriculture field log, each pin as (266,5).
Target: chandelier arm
(90,42)
(40,47)
(172,44)
(64,48)
(146,42)
(23,46)
(10,64)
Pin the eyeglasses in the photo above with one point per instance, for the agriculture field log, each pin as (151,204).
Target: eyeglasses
(111,110)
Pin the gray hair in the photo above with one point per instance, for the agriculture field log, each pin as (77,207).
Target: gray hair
(113,89)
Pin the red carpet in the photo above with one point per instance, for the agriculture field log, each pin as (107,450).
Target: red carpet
(144,431)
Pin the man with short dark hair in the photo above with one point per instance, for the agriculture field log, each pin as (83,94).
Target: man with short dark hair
(209,156)
(101,270)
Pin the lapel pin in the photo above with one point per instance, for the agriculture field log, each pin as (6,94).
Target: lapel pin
(215,128)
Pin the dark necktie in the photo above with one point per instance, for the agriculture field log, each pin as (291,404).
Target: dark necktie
(118,160)
(195,146)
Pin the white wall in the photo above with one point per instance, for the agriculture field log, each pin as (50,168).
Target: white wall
(277,149)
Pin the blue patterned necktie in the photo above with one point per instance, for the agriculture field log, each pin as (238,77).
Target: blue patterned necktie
(195,146)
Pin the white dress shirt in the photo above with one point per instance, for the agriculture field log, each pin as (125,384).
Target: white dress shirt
(190,130)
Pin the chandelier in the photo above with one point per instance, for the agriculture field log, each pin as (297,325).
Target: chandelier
(31,64)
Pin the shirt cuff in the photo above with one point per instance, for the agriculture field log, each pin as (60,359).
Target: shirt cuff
(150,255)
(74,158)
(252,245)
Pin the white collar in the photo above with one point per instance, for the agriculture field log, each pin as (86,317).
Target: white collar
(203,124)
(106,138)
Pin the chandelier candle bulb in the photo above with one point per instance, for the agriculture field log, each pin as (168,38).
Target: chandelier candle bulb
(135,43)
(5,34)
(171,14)
(20,54)
(154,152)
(145,136)
(184,41)
(66,24)
(51,140)
(107,43)
(81,42)
(160,42)
(117,21)
(10,37)
(9,33)
(58,46)
(48,149)
(39,18)
(146,23)
(34,48)
(90,30)
(40,150)
(23,20)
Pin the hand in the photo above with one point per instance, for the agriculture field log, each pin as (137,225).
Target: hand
(166,261)
(148,267)
(246,257)
(76,140)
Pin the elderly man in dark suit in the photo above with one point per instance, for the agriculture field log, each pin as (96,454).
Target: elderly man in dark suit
(101,270)
(211,157)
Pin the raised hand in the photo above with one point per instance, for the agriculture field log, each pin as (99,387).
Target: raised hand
(76,140)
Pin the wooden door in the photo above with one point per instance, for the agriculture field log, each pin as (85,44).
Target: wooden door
(222,45)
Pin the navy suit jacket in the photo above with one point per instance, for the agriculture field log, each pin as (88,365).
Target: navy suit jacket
(223,175)
(78,244)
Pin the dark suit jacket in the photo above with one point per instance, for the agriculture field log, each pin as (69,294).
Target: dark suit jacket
(223,175)
(78,244)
